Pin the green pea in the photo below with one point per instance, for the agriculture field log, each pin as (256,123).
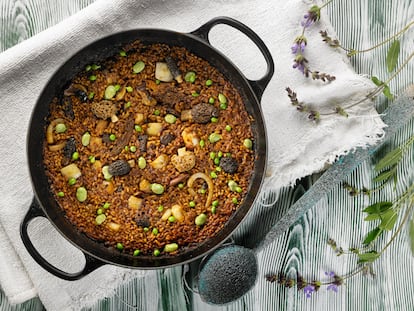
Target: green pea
(138,67)
(195,94)
(133,148)
(201,219)
(214,119)
(75,155)
(220,154)
(218,169)
(216,161)
(171,219)
(95,67)
(86,139)
(234,200)
(72,181)
(180,185)
(213,174)
(160,208)
(60,128)
(190,77)
(214,137)
(88,68)
(154,231)
(138,128)
(99,211)
(170,118)
(202,143)
(91,95)
(192,204)
(202,191)
(146,229)
(81,194)
(136,252)
(157,81)
(142,163)
(117,87)
(100,219)
(112,137)
(248,143)
(92,159)
(212,155)
(213,209)
(119,246)
(209,82)
(126,148)
(129,89)
(122,53)
(157,252)
(228,128)
(223,106)
(157,112)
(239,189)
(106,205)
(211,100)
(127,105)
(61,194)
(222,98)
(215,203)
(170,247)
(157,188)
(92,77)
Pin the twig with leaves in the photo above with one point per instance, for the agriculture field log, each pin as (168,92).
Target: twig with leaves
(302,64)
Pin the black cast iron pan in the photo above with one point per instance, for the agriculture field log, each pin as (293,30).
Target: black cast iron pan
(44,204)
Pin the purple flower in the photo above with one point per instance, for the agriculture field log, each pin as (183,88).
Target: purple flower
(333,287)
(300,63)
(309,289)
(298,47)
(308,20)
(313,15)
(330,274)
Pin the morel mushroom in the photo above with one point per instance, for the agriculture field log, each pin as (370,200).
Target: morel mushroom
(201,113)
(229,164)
(119,168)
(105,109)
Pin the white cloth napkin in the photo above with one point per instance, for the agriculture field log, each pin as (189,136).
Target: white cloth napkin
(297,147)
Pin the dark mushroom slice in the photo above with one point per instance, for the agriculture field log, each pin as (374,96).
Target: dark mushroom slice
(166,138)
(67,107)
(125,138)
(70,148)
(172,66)
(142,139)
(77,90)
(146,97)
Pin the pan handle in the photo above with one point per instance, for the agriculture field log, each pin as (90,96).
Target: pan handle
(258,86)
(90,265)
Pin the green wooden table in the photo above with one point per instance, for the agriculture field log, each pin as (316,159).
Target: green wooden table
(303,248)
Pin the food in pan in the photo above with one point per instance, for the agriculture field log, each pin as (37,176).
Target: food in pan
(149,151)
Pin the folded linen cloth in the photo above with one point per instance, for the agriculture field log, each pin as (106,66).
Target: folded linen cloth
(297,147)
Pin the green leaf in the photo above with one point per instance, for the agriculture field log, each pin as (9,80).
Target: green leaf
(392,55)
(386,175)
(368,257)
(387,93)
(411,234)
(378,208)
(372,217)
(372,235)
(390,159)
(377,81)
(388,220)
